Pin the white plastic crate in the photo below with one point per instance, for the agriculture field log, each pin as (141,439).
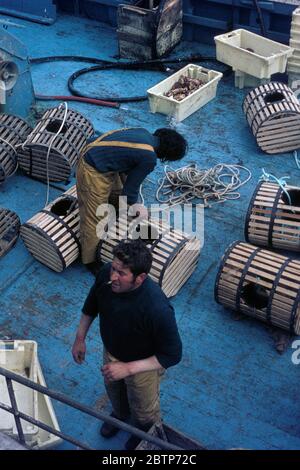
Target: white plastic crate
(182,109)
(242,80)
(46,415)
(293,66)
(19,357)
(251,53)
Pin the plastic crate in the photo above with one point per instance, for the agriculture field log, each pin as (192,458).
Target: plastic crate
(294,61)
(243,80)
(46,414)
(182,109)
(19,357)
(251,53)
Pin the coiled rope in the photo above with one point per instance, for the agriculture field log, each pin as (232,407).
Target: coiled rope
(214,185)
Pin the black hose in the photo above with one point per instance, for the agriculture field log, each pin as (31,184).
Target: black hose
(73,58)
(147,65)
(156,64)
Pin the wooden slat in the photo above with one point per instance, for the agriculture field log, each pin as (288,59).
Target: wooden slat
(181,263)
(262,271)
(45,236)
(286,220)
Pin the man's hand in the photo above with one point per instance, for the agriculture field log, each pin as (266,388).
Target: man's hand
(115,371)
(78,351)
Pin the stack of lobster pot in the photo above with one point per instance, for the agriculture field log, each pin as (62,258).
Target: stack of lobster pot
(13,131)
(54,146)
(261,284)
(273,114)
(175,254)
(273,217)
(9,230)
(52,235)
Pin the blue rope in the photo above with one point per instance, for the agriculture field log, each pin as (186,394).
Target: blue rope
(280,181)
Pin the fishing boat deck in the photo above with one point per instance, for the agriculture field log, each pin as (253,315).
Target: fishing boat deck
(232,389)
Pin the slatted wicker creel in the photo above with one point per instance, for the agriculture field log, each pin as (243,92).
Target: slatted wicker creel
(65,150)
(13,131)
(175,254)
(273,217)
(273,114)
(9,230)
(260,284)
(52,235)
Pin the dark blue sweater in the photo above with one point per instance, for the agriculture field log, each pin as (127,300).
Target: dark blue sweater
(137,324)
(136,163)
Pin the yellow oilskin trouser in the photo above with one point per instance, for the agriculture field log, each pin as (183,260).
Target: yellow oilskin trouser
(93,189)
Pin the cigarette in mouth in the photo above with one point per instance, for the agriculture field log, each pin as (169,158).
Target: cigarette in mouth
(108,283)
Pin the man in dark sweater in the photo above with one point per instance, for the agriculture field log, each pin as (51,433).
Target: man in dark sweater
(116,164)
(139,333)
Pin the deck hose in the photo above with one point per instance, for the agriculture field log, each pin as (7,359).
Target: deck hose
(157,64)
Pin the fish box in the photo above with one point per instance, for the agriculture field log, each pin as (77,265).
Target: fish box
(252,53)
(171,435)
(19,357)
(46,415)
(179,110)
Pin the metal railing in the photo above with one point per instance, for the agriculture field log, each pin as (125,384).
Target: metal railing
(18,415)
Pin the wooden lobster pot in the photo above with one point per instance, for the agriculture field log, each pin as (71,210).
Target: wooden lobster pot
(175,254)
(261,284)
(9,230)
(273,114)
(52,235)
(271,221)
(65,149)
(13,131)
(149,29)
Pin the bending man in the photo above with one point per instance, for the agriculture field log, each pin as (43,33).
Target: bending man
(116,164)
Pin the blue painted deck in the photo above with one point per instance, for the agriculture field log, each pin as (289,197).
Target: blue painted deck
(232,389)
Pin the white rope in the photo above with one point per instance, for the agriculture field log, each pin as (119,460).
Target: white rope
(280,181)
(214,185)
(141,194)
(11,146)
(296,159)
(3,140)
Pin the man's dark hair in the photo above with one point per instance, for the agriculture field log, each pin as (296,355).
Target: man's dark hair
(172,145)
(135,255)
